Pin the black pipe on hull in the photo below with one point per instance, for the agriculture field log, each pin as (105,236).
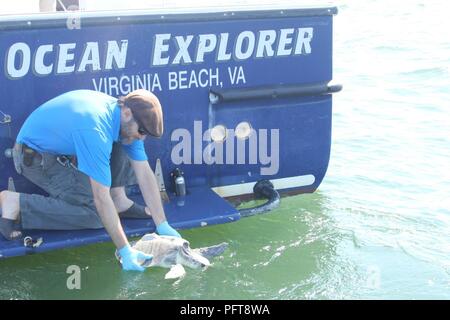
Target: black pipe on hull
(263,189)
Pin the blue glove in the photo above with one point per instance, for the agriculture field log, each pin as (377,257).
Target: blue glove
(164,229)
(133,259)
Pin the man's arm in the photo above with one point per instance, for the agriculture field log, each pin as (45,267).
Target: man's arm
(149,189)
(108,214)
(131,259)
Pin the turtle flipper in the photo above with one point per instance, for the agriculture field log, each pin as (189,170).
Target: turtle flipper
(213,251)
(176,271)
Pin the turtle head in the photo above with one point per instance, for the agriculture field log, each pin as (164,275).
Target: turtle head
(188,257)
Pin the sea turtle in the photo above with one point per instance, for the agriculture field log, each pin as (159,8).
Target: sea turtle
(174,253)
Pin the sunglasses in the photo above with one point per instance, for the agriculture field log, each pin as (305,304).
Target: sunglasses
(142,131)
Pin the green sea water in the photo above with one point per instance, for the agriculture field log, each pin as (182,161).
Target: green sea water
(379,225)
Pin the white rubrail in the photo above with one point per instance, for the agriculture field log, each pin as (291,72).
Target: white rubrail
(279,184)
(156,6)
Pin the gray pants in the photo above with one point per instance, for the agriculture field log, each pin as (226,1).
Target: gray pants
(70,205)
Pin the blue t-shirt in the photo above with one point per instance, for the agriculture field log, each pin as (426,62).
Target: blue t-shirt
(84,123)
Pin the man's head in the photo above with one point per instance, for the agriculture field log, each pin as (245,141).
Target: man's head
(141,115)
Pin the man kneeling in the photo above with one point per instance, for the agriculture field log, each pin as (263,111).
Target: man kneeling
(83,147)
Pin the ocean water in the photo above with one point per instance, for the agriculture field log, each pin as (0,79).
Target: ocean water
(379,225)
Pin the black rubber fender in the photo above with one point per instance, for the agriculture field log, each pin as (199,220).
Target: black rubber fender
(263,189)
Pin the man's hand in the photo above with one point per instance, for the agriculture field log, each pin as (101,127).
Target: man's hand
(133,259)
